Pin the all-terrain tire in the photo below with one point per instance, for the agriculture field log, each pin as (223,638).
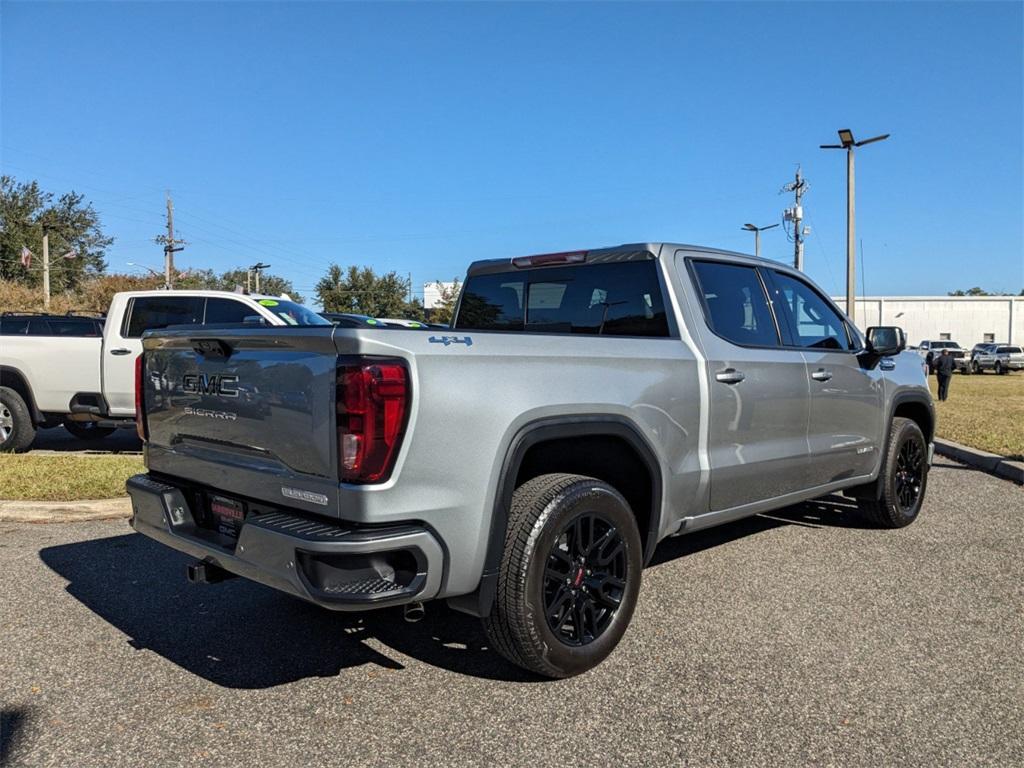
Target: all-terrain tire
(549,513)
(903,478)
(16,428)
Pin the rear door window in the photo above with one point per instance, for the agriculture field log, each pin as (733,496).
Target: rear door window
(735,305)
(150,312)
(614,299)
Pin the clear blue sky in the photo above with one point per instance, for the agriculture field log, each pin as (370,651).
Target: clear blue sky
(420,137)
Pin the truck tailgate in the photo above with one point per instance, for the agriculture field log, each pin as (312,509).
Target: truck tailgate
(247,411)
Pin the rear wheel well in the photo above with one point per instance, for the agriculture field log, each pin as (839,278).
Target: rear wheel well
(606,457)
(919,413)
(12,379)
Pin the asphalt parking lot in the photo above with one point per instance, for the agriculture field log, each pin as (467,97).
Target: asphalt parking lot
(795,638)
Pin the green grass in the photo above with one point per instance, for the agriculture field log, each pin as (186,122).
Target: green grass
(28,477)
(984,411)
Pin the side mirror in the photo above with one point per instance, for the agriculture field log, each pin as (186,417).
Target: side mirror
(886,340)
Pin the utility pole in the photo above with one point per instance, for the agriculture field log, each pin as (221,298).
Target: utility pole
(796,214)
(171,244)
(46,268)
(258,267)
(847,142)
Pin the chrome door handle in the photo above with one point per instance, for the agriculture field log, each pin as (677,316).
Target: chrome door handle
(120,351)
(821,375)
(730,376)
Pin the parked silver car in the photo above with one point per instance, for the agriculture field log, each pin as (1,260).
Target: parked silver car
(1000,358)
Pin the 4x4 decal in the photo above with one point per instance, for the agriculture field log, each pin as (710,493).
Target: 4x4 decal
(447,340)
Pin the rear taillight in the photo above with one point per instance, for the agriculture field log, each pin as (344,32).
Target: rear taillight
(372,406)
(140,415)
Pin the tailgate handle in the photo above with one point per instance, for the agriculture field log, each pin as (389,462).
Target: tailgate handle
(211,348)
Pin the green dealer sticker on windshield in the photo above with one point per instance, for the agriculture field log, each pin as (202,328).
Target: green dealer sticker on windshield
(268,302)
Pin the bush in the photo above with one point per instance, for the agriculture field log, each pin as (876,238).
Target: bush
(93,296)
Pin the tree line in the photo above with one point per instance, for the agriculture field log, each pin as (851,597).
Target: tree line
(79,280)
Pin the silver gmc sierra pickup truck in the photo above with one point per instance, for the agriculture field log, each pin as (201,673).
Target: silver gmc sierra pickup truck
(525,463)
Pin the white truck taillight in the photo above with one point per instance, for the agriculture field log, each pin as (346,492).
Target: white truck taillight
(372,405)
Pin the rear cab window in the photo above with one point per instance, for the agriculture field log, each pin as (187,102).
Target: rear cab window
(621,298)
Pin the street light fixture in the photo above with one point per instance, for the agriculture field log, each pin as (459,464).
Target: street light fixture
(848,143)
(757,235)
(258,267)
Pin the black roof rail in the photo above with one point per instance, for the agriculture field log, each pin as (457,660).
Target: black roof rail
(84,314)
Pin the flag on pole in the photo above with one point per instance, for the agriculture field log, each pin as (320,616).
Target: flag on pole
(72,254)
(26,257)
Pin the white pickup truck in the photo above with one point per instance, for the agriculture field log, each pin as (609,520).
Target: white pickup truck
(88,382)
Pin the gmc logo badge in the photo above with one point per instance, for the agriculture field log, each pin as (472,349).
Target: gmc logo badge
(210,384)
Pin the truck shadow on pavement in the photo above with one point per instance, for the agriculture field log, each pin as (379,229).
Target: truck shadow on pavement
(240,634)
(12,723)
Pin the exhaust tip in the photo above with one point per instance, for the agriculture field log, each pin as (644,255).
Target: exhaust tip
(413,612)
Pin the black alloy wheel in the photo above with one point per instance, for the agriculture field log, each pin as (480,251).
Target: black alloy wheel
(895,500)
(585,579)
(909,474)
(569,577)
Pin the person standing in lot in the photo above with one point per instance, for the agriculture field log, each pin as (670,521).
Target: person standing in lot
(944,371)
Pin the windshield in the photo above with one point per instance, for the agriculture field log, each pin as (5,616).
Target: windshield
(945,345)
(292,313)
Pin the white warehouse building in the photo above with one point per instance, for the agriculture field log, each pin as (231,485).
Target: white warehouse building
(967,320)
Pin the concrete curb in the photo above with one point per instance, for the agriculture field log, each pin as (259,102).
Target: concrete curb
(64,511)
(989,462)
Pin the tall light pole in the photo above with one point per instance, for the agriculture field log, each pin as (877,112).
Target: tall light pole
(757,235)
(847,142)
(258,267)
